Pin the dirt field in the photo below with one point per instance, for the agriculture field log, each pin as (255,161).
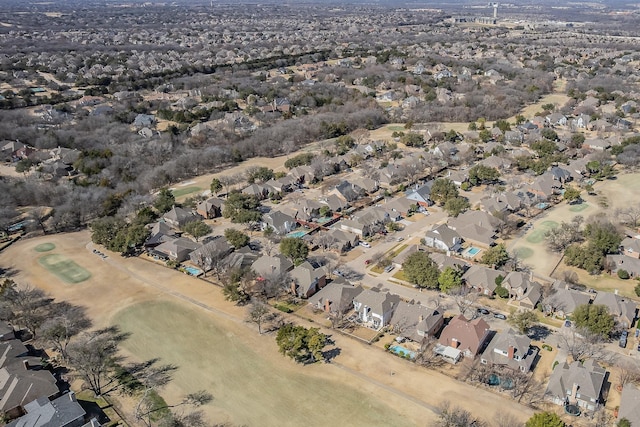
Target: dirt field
(251,382)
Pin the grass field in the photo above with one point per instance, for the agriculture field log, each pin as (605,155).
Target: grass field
(65,268)
(579,208)
(180,192)
(537,235)
(44,247)
(248,389)
(524,252)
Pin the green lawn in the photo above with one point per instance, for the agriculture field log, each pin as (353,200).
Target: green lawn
(537,235)
(65,268)
(184,191)
(524,252)
(579,208)
(246,385)
(45,247)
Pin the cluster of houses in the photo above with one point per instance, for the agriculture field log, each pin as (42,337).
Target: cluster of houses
(55,163)
(29,393)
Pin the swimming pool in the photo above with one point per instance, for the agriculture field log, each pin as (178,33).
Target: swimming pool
(473,251)
(193,271)
(401,351)
(297,234)
(542,205)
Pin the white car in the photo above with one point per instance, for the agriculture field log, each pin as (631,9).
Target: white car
(365,245)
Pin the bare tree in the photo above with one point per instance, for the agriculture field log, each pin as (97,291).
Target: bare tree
(94,357)
(506,419)
(64,322)
(454,416)
(582,344)
(268,246)
(628,373)
(229,180)
(39,215)
(258,313)
(629,215)
(464,298)
(426,356)
(24,306)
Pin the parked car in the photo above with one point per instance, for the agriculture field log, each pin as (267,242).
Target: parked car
(365,245)
(483,310)
(400,239)
(567,323)
(337,273)
(389,268)
(500,316)
(623,339)
(367,262)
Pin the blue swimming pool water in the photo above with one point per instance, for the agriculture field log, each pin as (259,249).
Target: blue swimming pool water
(473,251)
(401,351)
(542,205)
(193,271)
(297,234)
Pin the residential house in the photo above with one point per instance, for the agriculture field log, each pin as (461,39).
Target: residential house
(256,190)
(630,404)
(375,308)
(596,144)
(336,298)
(560,174)
(306,279)
(335,239)
(178,217)
(241,258)
(500,203)
(144,120)
(630,247)
(577,384)
(496,162)
(276,265)
(399,259)
(510,350)
(522,289)
(467,336)
(415,321)
(280,222)
(443,261)
(556,119)
(348,191)
(65,411)
(545,186)
(22,378)
(443,238)
(400,205)
(160,232)
(623,262)
(335,203)
(581,121)
(420,195)
(624,310)
(303,174)
(476,227)
(483,279)
(564,300)
(459,177)
(215,249)
(210,208)
(366,222)
(12,151)
(177,249)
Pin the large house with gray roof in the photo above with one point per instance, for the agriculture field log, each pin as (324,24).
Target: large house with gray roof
(306,279)
(336,298)
(65,411)
(415,321)
(510,350)
(563,300)
(443,238)
(482,279)
(623,309)
(577,383)
(375,308)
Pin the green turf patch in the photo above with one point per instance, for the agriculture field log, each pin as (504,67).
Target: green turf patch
(184,191)
(64,268)
(396,128)
(537,235)
(524,252)
(45,247)
(579,208)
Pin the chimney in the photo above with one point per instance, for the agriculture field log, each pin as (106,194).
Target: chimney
(531,275)
(327,305)
(26,364)
(454,343)
(574,390)
(510,352)
(615,291)
(420,318)
(72,396)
